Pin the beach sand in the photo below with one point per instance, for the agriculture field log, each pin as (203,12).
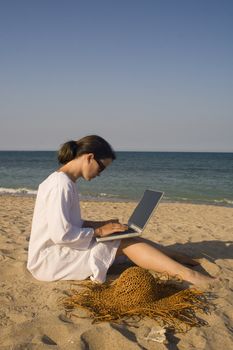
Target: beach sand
(31,317)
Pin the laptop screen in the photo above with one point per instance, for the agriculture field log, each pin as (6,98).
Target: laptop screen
(145,208)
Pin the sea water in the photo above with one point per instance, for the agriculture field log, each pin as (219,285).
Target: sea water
(183,176)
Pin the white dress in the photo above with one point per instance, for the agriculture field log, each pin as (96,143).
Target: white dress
(59,247)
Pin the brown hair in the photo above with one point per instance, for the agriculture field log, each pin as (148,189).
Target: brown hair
(88,144)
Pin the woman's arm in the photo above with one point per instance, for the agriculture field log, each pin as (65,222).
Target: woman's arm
(105,228)
(62,230)
(96,224)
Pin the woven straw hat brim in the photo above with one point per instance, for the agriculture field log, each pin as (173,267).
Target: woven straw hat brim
(167,304)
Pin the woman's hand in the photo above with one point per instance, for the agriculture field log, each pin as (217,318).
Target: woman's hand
(96,224)
(109,228)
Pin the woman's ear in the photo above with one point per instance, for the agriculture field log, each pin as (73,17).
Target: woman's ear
(90,156)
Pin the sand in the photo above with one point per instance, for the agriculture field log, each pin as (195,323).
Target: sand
(31,318)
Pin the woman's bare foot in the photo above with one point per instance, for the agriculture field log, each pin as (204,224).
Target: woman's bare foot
(199,280)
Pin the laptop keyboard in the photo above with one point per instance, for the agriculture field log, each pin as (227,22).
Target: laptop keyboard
(130,230)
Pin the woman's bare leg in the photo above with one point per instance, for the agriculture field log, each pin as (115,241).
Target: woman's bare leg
(180,257)
(151,258)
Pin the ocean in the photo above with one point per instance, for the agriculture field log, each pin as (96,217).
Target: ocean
(205,178)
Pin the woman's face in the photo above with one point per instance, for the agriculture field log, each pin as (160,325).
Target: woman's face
(94,167)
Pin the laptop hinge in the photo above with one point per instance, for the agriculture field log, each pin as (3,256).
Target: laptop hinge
(134,227)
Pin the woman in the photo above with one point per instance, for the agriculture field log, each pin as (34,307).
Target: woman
(63,246)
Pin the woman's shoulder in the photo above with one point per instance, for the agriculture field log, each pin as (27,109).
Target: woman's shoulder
(57,179)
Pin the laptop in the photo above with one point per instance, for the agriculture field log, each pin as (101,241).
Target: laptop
(139,218)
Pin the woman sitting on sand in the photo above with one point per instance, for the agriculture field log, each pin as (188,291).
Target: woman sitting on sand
(63,247)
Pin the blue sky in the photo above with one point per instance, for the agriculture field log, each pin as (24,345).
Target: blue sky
(146,75)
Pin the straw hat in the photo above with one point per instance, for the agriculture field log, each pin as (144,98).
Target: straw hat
(138,293)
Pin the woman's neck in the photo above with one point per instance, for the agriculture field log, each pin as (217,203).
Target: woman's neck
(72,172)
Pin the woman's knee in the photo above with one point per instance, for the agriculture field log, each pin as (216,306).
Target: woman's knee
(128,242)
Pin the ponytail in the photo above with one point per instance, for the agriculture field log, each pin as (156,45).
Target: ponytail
(67,152)
(88,144)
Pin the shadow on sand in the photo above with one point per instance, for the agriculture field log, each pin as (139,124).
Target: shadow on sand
(210,250)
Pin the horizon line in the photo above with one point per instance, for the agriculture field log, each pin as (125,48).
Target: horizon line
(121,150)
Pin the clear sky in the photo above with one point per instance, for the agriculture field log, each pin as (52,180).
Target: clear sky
(144,74)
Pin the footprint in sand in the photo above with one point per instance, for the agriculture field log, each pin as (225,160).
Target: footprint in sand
(5,255)
(64,318)
(47,340)
(105,337)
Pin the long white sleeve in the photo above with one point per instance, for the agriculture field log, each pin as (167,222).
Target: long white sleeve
(63,218)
